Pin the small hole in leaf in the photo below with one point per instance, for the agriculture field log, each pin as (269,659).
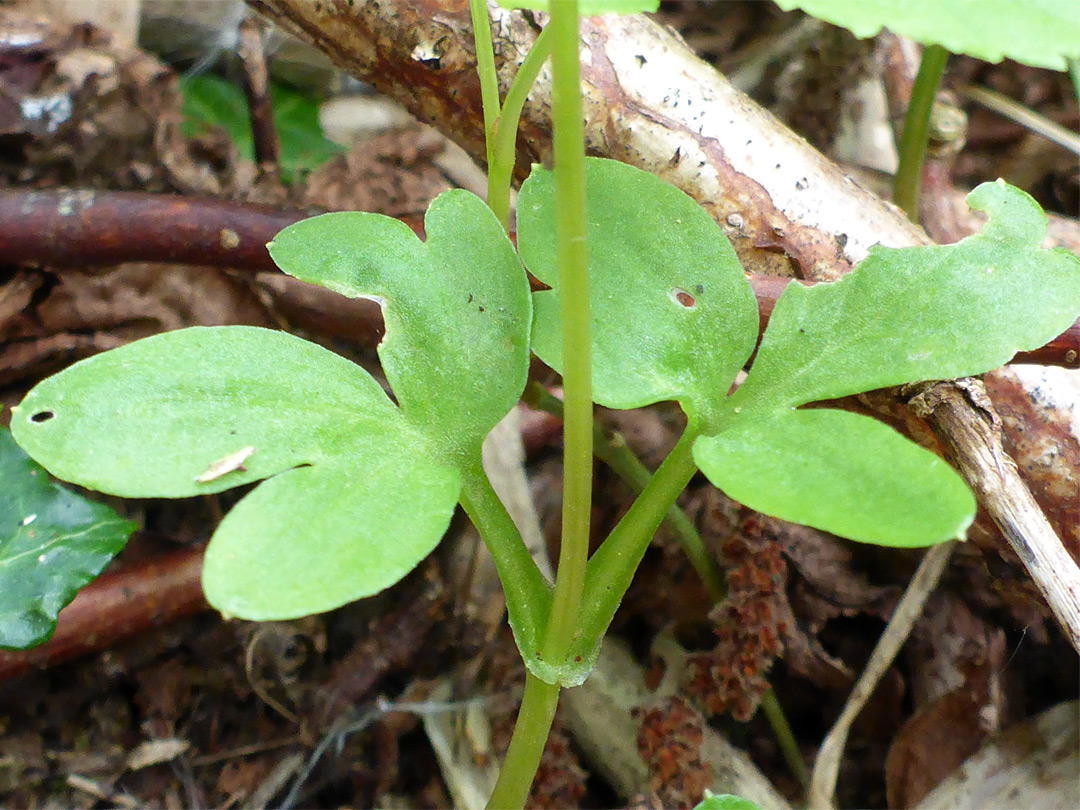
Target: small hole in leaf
(42,416)
(683,298)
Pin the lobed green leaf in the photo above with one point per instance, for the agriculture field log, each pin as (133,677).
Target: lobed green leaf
(927,313)
(840,472)
(52,543)
(457,307)
(205,409)
(674,317)
(1037,32)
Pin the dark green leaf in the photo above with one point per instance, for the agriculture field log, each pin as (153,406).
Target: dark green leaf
(673,315)
(839,472)
(52,543)
(457,307)
(210,100)
(920,313)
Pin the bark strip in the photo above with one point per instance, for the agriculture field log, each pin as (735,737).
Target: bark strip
(974,443)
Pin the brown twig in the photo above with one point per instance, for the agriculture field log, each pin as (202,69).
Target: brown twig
(257,88)
(116,607)
(86,228)
(91,228)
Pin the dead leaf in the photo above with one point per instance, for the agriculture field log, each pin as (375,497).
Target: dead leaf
(233,462)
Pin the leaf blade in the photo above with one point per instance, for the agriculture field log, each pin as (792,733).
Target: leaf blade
(174,404)
(673,315)
(316,538)
(456,347)
(913,314)
(840,472)
(1038,32)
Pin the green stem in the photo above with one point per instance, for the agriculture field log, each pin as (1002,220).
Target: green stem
(526,745)
(569,148)
(485,68)
(503,155)
(612,567)
(528,595)
(789,746)
(614,452)
(916,124)
(628,466)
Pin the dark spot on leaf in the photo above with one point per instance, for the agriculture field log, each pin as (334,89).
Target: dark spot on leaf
(470,299)
(577,659)
(699,288)
(641,60)
(683,298)
(42,416)
(480,308)
(802,331)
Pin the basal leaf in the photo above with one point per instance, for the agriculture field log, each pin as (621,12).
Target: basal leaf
(840,472)
(456,307)
(673,315)
(589,8)
(315,538)
(1038,32)
(905,315)
(52,543)
(205,409)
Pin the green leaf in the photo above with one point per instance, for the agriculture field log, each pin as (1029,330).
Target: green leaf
(147,419)
(457,308)
(52,543)
(724,801)
(840,472)
(589,8)
(905,315)
(674,317)
(315,538)
(210,100)
(1038,32)
(151,418)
